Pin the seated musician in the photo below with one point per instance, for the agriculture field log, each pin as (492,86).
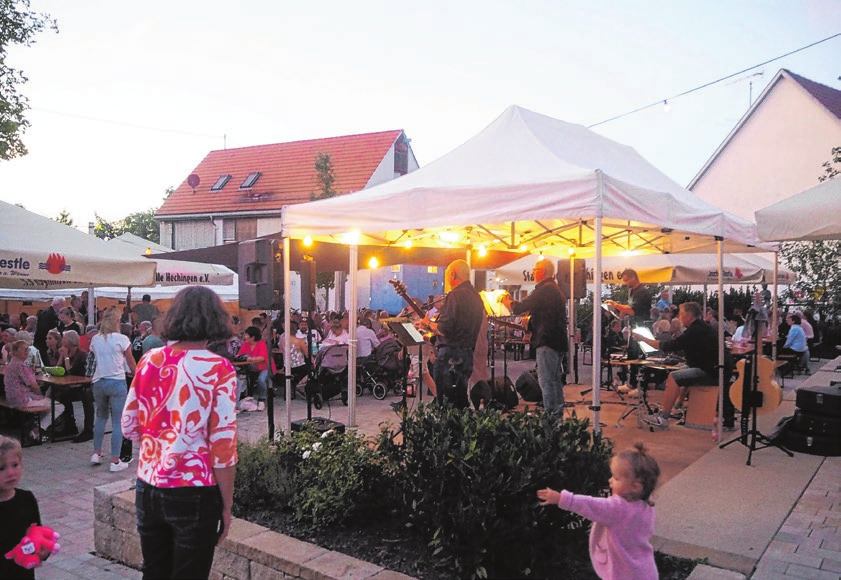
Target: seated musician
(699,342)
(615,342)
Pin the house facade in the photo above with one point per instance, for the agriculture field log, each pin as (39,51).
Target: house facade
(777,148)
(238,194)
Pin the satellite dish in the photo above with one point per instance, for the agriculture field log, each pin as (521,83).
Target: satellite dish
(193,180)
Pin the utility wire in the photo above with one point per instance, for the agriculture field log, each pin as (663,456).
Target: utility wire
(705,85)
(126,124)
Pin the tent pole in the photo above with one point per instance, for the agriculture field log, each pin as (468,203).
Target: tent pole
(571,319)
(721,395)
(774,312)
(353,258)
(597,328)
(287,344)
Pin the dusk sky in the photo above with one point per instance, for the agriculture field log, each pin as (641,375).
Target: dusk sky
(128,98)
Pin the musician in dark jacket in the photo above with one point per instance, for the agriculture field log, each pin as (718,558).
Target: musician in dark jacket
(457,327)
(547,308)
(699,342)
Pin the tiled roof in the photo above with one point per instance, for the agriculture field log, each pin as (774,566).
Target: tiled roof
(827,96)
(288,174)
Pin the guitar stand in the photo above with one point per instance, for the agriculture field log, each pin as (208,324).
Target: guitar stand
(750,436)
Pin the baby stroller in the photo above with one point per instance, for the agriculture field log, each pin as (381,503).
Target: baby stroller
(330,375)
(383,370)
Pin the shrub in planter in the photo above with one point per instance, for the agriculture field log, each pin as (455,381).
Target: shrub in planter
(321,479)
(469,482)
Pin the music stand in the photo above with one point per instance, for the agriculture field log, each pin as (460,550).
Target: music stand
(751,437)
(407,335)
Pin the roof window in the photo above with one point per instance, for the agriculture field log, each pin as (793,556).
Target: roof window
(220,183)
(250,180)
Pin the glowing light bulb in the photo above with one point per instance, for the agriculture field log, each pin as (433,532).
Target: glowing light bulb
(483,251)
(523,248)
(373,263)
(449,237)
(351,238)
(571,251)
(307,241)
(407,244)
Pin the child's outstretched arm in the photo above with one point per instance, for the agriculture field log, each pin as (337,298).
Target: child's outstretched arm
(548,496)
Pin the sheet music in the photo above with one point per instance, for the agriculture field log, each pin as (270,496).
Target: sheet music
(645,347)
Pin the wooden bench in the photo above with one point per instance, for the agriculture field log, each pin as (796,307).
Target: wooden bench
(24,415)
(701,408)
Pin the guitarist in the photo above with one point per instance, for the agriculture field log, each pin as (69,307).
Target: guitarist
(699,343)
(456,328)
(547,307)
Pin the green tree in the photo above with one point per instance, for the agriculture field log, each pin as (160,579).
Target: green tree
(18,26)
(324,176)
(816,263)
(141,224)
(64,218)
(326,280)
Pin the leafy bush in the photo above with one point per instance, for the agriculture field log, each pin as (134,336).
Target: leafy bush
(322,479)
(469,482)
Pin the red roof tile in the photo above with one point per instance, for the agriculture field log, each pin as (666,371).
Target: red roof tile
(827,96)
(288,174)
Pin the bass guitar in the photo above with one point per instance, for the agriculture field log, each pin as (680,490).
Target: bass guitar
(772,394)
(400,287)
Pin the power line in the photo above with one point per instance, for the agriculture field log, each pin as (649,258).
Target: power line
(705,85)
(126,124)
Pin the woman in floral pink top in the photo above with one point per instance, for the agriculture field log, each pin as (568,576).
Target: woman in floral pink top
(181,409)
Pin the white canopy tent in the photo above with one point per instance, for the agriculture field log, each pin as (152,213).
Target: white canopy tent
(531,182)
(814,214)
(40,253)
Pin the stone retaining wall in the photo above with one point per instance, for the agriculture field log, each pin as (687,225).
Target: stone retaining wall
(250,552)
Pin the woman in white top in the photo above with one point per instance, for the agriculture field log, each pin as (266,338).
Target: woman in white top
(113,353)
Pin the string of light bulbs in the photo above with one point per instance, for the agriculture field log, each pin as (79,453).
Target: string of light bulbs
(665,103)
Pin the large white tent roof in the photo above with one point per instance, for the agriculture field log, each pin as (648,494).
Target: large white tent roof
(528,180)
(814,214)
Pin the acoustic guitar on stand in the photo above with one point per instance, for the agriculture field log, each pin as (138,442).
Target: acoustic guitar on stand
(772,394)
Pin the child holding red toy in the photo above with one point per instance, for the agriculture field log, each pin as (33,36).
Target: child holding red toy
(18,508)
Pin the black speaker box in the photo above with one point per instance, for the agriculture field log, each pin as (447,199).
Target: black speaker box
(580,281)
(307,270)
(260,275)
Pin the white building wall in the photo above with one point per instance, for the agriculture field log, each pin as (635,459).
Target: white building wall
(777,152)
(385,170)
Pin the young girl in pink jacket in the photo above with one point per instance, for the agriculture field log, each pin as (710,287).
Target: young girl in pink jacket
(620,539)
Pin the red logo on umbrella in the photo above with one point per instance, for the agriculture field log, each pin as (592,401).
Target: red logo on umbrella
(55,264)
(738,274)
